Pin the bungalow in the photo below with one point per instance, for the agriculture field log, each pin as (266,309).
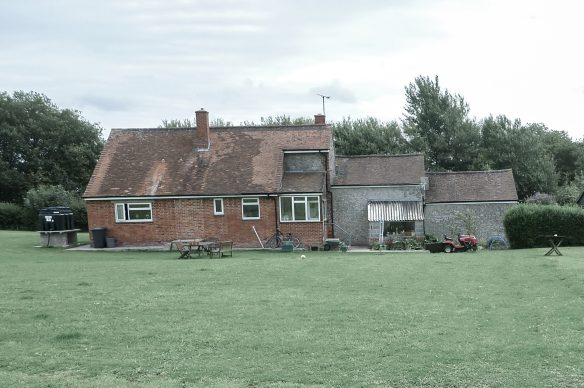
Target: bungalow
(157,185)
(242,183)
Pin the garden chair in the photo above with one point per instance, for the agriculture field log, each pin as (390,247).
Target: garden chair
(184,250)
(221,249)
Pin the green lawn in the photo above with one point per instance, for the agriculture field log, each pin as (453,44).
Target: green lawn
(145,319)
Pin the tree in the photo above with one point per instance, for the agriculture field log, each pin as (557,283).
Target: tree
(369,136)
(274,121)
(436,123)
(188,123)
(42,144)
(509,144)
(568,156)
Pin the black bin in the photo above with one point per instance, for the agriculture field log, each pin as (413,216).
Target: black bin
(56,218)
(98,237)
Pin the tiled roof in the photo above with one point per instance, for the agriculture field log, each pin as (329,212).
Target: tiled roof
(169,162)
(471,186)
(383,170)
(303,182)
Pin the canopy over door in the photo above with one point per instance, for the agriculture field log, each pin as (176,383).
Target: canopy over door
(395,211)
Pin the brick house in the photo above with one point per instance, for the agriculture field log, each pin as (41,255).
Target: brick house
(479,198)
(157,185)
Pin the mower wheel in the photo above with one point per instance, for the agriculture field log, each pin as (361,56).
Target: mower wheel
(448,248)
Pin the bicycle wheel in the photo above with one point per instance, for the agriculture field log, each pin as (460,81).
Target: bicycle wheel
(295,241)
(271,243)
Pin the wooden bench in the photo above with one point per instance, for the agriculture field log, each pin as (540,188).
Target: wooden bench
(222,248)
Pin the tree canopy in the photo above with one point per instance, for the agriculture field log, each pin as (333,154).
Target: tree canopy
(436,122)
(41,144)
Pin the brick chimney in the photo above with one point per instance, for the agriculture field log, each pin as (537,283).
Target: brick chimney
(319,119)
(202,133)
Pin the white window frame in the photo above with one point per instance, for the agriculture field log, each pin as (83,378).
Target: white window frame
(215,202)
(299,199)
(123,211)
(251,202)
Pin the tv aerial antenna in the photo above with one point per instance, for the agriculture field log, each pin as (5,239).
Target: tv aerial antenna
(323,97)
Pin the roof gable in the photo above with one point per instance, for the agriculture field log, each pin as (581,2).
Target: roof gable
(170,162)
(382,170)
(471,186)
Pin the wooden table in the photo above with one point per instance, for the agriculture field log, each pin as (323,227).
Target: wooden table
(555,241)
(189,242)
(202,246)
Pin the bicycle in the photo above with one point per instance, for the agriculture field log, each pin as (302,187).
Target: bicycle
(275,241)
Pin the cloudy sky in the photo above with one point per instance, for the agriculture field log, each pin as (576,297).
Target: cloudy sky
(131,63)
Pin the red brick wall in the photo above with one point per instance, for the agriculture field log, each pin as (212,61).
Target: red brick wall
(309,233)
(187,218)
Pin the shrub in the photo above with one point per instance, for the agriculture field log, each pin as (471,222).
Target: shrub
(526,224)
(46,196)
(79,213)
(541,198)
(12,216)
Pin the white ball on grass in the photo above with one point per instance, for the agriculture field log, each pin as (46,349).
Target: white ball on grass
(303,257)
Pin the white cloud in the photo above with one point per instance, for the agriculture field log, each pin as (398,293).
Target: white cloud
(134,63)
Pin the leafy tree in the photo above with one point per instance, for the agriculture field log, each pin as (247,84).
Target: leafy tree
(369,136)
(509,144)
(47,196)
(178,123)
(42,144)
(274,121)
(436,123)
(568,156)
(189,123)
(569,193)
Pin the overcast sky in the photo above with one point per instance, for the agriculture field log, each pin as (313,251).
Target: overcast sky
(134,63)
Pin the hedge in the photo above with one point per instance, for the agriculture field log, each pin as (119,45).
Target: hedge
(526,224)
(13,216)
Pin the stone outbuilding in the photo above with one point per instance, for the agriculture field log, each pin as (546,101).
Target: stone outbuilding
(468,202)
(378,195)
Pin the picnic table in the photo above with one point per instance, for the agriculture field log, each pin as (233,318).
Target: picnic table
(189,242)
(555,241)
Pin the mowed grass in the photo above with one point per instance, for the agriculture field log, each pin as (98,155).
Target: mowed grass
(271,319)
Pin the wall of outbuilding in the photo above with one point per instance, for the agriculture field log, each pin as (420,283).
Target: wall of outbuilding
(350,207)
(450,218)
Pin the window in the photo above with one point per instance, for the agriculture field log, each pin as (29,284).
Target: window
(218,206)
(250,208)
(300,208)
(133,212)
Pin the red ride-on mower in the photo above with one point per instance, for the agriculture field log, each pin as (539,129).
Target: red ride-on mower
(465,242)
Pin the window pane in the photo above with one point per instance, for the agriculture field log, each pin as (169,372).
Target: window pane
(139,214)
(218,206)
(251,208)
(299,211)
(120,212)
(313,209)
(251,211)
(286,208)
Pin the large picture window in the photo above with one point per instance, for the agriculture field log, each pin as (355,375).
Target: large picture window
(133,212)
(299,208)
(250,208)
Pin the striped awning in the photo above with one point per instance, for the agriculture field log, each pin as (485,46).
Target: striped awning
(395,211)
